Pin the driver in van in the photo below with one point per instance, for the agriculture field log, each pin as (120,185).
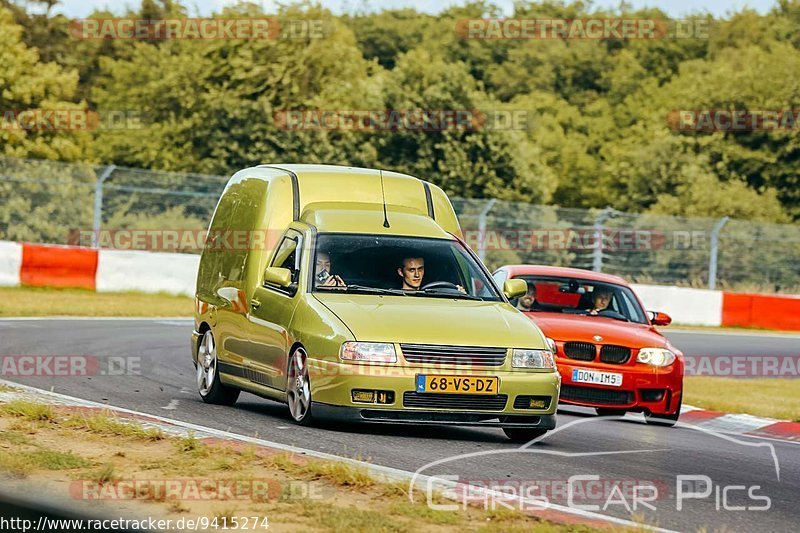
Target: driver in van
(322,272)
(601,300)
(411,271)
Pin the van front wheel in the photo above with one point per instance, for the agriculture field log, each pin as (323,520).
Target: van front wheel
(208,383)
(298,388)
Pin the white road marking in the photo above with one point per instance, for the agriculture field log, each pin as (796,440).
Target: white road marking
(383,472)
(172,405)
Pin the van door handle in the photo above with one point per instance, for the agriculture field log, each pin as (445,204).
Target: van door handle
(255,304)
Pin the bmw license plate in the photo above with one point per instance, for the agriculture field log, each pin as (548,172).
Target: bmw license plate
(580,375)
(457,384)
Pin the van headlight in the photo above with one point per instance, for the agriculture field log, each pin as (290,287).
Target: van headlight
(370,352)
(655,356)
(522,358)
(552,344)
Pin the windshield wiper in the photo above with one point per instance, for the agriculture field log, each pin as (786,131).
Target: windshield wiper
(447,294)
(373,290)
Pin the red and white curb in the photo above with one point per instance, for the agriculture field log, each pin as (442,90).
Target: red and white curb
(738,424)
(553,512)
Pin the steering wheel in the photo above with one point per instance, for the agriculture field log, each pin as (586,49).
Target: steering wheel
(439,285)
(612,314)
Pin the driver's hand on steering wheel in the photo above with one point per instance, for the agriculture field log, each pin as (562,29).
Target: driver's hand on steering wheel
(461,289)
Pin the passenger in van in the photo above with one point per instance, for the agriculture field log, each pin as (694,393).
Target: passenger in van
(601,299)
(322,272)
(526,302)
(411,271)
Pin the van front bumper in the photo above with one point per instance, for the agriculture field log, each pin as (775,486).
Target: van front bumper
(332,386)
(437,418)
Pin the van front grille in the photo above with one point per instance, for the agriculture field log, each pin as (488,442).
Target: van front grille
(462,402)
(455,355)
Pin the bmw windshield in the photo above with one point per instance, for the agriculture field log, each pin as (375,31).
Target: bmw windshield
(580,296)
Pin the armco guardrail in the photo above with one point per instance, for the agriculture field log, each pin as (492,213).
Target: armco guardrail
(81,204)
(132,270)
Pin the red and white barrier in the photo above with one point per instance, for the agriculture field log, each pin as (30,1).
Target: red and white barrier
(10,263)
(697,307)
(130,270)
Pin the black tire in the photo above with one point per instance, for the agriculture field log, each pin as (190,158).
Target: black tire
(664,420)
(298,393)
(608,411)
(523,434)
(216,393)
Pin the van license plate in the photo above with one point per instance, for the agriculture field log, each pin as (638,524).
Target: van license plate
(457,384)
(580,375)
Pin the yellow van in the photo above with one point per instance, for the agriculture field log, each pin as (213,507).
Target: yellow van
(348,293)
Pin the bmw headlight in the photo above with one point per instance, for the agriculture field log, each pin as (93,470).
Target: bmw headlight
(522,358)
(655,356)
(370,352)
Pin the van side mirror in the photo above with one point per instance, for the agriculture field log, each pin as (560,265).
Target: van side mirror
(282,277)
(513,288)
(659,319)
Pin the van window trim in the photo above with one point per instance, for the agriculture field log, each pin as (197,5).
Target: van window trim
(298,261)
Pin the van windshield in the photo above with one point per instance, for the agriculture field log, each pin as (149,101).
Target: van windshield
(402,266)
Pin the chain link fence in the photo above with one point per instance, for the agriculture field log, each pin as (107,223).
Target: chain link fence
(68,203)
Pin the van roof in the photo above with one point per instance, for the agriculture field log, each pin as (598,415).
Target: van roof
(292,188)
(359,217)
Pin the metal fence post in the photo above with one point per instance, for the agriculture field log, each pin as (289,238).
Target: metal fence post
(712,260)
(482,228)
(597,253)
(98,203)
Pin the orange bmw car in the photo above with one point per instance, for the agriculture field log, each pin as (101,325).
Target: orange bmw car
(608,351)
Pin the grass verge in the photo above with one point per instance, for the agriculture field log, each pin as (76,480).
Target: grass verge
(768,397)
(40,301)
(89,457)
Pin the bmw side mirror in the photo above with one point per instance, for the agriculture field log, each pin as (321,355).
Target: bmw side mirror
(659,319)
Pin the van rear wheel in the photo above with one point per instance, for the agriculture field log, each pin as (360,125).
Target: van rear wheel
(208,384)
(298,388)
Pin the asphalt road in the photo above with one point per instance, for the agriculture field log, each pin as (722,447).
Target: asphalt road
(625,452)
